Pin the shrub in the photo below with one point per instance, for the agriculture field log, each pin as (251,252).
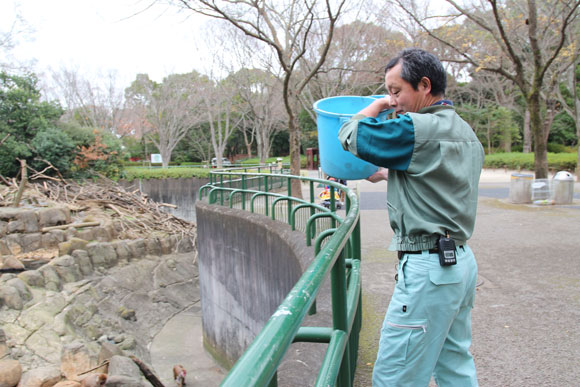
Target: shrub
(132,173)
(556,161)
(54,146)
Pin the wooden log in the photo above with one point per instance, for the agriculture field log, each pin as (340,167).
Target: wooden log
(149,375)
(76,225)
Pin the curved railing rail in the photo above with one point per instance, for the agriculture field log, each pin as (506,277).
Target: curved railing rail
(337,253)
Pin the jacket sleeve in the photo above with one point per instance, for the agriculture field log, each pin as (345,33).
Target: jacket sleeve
(388,143)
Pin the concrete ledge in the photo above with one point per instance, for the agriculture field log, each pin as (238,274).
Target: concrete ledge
(247,265)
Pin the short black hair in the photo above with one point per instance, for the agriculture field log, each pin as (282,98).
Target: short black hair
(418,63)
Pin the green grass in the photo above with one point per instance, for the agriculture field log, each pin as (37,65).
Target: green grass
(516,160)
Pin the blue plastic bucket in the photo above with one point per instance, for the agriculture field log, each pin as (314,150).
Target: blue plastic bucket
(331,114)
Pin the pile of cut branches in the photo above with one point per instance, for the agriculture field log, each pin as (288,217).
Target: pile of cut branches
(136,214)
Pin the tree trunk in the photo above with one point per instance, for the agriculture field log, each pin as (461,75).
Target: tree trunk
(295,156)
(540,151)
(507,139)
(527,132)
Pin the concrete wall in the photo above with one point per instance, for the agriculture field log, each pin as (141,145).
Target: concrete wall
(181,192)
(247,265)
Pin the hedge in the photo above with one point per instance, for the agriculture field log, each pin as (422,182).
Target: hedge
(556,161)
(132,173)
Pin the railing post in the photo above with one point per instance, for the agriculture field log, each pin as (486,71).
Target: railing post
(289,201)
(243,192)
(339,313)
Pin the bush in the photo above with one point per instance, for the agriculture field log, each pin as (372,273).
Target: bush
(54,146)
(556,161)
(556,148)
(132,173)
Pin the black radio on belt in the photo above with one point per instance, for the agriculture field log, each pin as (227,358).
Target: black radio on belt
(446,248)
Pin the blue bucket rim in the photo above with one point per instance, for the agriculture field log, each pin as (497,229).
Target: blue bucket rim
(331,114)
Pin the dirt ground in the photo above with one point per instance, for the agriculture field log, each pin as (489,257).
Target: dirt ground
(526,320)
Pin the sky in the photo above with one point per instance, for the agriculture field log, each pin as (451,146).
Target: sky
(100,36)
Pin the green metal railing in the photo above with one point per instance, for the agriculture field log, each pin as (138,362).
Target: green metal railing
(337,253)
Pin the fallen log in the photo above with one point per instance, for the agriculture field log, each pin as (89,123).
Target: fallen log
(76,225)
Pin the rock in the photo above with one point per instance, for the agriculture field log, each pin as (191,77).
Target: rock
(87,235)
(128,344)
(3,228)
(108,350)
(166,245)
(124,366)
(102,254)
(4,350)
(10,372)
(29,221)
(71,232)
(94,380)
(4,250)
(10,262)
(127,314)
(40,377)
(137,248)
(67,268)
(75,359)
(32,278)
(153,246)
(102,234)
(51,278)
(46,344)
(59,235)
(31,242)
(83,261)
(123,381)
(15,226)
(21,287)
(71,245)
(53,216)
(122,249)
(185,245)
(14,243)
(10,297)
(67,383)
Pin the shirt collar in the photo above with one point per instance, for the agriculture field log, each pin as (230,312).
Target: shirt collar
(443,102)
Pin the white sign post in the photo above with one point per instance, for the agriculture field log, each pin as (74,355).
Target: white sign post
(156,158)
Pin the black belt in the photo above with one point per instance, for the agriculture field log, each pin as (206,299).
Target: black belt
(434,250)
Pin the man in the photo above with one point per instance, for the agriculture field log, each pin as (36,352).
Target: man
(434,161)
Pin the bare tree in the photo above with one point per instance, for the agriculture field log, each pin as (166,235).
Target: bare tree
(11,34)
(170,109)
(98,103)
(519,39)
(287,28)
(222,113)
(260,93)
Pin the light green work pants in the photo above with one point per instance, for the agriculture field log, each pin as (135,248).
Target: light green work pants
(427,329)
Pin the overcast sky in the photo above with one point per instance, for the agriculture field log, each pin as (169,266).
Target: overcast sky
(103,35)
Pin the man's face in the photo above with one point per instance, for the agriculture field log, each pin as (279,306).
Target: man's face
(403,97)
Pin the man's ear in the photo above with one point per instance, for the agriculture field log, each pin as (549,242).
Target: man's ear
(425,85)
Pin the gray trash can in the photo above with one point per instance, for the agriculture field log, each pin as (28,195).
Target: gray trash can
(563,188)
(520,188)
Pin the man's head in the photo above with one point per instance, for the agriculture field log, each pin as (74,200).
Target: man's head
(414,79)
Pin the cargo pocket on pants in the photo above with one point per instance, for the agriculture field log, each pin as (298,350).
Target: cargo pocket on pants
(399,341)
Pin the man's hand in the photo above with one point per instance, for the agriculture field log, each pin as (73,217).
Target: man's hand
(377,106)
(381,174)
